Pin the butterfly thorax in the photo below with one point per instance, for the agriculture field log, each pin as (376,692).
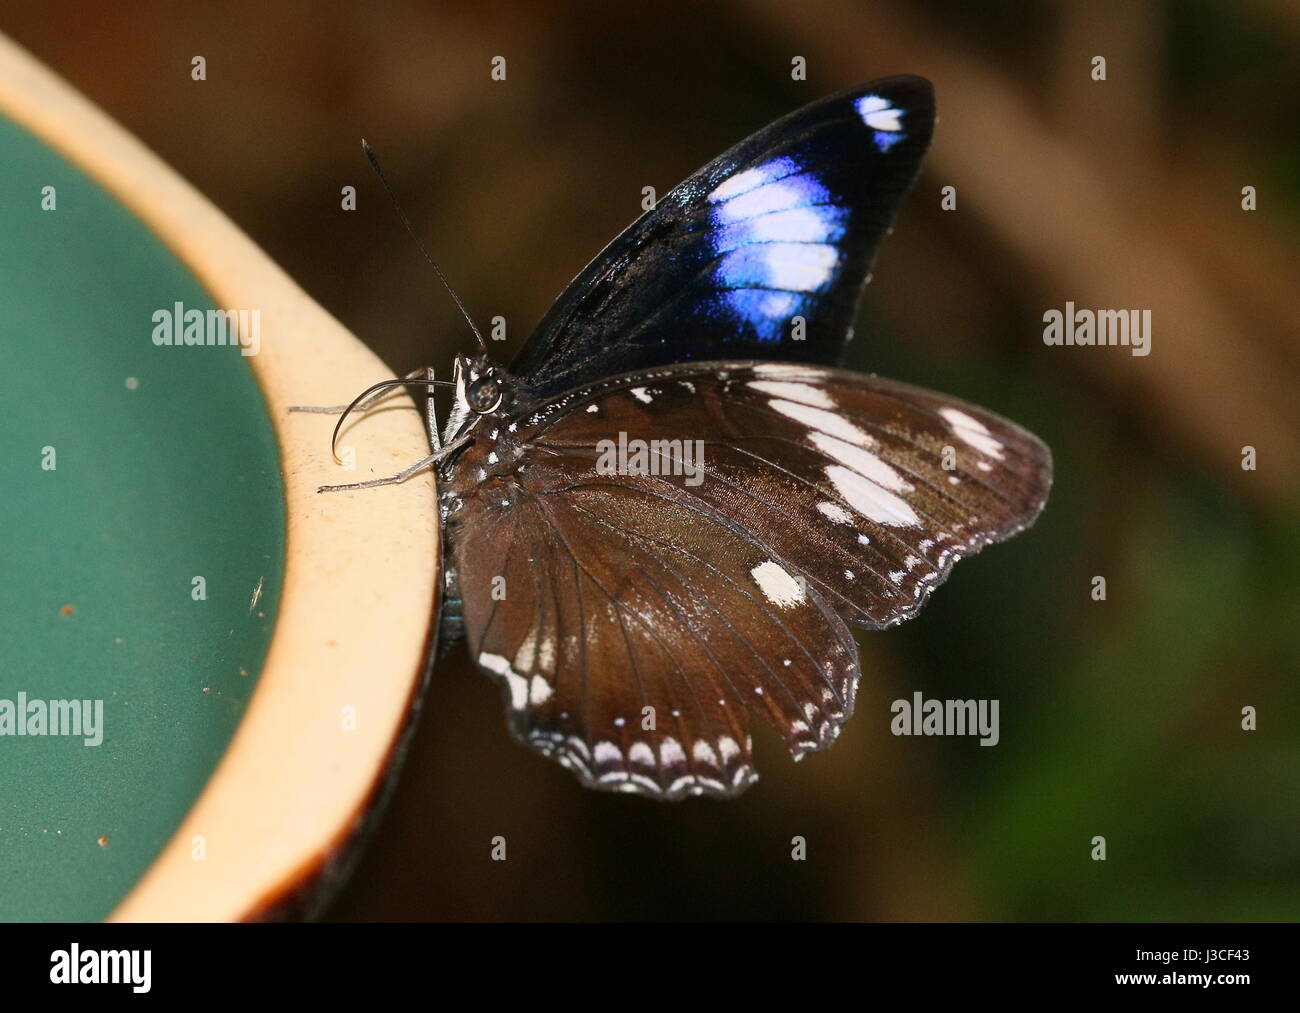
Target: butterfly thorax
(487,464)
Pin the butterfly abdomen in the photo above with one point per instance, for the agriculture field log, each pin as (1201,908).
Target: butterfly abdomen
(451,627)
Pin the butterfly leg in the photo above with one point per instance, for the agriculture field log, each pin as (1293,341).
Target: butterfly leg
(430,415)
(416,374)
(401,476)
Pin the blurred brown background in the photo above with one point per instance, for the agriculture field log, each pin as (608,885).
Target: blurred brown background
(1120,718)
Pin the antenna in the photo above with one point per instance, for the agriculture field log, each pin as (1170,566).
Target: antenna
(374,162)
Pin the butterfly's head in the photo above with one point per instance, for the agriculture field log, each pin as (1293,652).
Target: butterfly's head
(485,394)
(481,385)
(482,388)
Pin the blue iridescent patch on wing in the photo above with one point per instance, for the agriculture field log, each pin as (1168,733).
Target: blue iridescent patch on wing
(882,118)
(784,267)
(775,230)
(765,310)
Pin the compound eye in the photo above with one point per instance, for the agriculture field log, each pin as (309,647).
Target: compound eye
(484,394)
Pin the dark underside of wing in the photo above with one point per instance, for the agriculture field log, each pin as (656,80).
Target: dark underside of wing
(657,595)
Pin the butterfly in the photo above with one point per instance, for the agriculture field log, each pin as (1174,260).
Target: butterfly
(640,609)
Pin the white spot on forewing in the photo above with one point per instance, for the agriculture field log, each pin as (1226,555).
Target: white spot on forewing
(738,184)
(865,463)
(877,114)
(870,500)
(641,395)
(835,512)
(886,119)
(827,422)
(973,432)
(780,588)
(727,746)
(803,392)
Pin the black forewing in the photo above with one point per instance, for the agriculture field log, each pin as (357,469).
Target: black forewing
(785,225)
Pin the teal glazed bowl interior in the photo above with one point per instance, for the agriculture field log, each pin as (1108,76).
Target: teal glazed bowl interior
(141,507)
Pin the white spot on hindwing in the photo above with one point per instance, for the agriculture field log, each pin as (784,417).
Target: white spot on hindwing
(527,652)
(517,683)
(642,754)
(546,653)
(607,752)
(703,753)
(670,753)
(778,586)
